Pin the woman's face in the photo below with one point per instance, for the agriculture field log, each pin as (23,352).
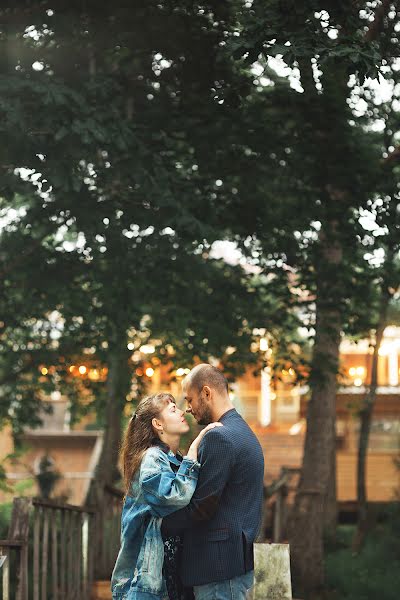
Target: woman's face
(173,420)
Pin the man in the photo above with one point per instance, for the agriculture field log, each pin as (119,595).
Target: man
(222,520)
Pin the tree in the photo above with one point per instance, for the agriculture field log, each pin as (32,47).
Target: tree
(325,169)
(111,158)
(105,172)
(386,281)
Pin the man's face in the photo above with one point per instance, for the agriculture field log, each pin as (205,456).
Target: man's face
(198,404)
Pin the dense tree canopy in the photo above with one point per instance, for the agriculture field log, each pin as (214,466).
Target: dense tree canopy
(134,136)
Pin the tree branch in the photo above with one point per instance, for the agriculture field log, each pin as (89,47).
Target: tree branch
(376,26)
(393,157)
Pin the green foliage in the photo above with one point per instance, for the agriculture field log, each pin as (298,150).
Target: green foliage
(5,517)
(371,574)
(120,203)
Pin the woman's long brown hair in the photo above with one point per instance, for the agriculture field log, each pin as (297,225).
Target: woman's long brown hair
(140,434)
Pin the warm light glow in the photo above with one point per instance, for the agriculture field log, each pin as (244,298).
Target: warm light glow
(149,372)
(82,369)
(131,346)
(291,371)
(360,371)
(180,372)
(147,349)
(139,372)
(94,374)
(358,382)
(296,428)
(387,347)
(44,371)
(72,368)
(352,371)
(263,344)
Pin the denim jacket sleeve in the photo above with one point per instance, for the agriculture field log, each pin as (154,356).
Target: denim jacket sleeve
(164,490)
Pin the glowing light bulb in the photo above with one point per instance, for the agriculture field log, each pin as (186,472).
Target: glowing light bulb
(94,374)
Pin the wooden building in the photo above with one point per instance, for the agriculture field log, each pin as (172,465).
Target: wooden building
(276,414)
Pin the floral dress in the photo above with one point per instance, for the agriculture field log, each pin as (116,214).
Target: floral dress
(172,557)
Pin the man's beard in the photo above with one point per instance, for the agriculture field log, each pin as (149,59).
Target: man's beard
(205,418)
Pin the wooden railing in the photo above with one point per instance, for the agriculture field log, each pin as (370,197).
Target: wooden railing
(54,544)
(15,548)
(107,528)
(5,574)
(277,499)
(62,551)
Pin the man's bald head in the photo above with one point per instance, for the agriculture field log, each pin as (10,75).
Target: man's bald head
(208,375)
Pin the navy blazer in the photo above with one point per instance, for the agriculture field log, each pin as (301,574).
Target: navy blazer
(221,522)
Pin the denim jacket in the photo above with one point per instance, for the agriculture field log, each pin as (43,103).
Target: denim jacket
(156,491)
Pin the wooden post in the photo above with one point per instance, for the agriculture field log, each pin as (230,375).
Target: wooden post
(54,554)
(272,572)
(277,527)
(4,564)
(70,554)
(78,556)
(18,535)
(36,551)
(85,555)
(45,544)
(63,554)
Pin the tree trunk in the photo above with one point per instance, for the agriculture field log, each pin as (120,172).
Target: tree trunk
(365,425)
(306,536)
(118,382)
(330,501)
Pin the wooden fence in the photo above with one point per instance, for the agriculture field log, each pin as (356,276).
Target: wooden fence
(107,531)
(277,495)
(54,551)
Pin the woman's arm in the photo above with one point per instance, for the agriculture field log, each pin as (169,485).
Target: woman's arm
(164,490)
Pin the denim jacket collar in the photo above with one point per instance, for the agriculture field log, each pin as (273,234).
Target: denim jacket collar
(176,460)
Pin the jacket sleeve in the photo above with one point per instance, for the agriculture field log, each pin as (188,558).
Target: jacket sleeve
(216,456)
(164,490)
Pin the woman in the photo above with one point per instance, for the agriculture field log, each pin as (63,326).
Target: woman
(158,481)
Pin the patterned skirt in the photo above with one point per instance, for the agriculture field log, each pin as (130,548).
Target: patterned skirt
(171,569)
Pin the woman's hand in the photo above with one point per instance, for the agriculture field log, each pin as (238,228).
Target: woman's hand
(192,452)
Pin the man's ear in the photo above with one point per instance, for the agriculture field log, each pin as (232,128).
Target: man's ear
(207,391)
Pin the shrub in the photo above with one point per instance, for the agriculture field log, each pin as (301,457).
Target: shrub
(371,574)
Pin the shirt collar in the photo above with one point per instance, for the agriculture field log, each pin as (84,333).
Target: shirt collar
(229,413)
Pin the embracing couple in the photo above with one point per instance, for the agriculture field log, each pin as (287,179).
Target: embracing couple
(189,522)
